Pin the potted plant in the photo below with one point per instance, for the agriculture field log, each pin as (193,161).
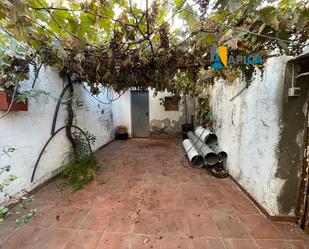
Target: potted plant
(12,71)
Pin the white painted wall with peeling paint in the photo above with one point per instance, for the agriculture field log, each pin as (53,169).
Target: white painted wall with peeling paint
(158,115)
(248,128)
(29,131)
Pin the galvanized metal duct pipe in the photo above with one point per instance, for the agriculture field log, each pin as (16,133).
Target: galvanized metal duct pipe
(208,155)
(206,135)
(192,154)
(220,152)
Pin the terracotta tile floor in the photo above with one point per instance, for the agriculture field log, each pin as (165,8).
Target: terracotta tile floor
(145,197)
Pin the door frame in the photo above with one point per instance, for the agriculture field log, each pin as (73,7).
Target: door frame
(303,201)
(131,116)
(302,212)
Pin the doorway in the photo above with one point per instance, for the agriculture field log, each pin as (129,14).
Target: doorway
(140,113)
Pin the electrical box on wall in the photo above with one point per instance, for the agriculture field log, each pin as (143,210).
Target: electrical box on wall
(294,91)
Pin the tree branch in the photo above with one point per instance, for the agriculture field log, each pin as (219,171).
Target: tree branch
(148,32)
(37,74)
(70,117)
(131,33)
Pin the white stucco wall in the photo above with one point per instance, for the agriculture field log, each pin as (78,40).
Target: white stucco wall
(122,110)
(29,131)
(169,121)
(248,128)
(157,110)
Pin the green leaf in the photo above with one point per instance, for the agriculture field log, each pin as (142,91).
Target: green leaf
(86,24)
(64,19)
(3,211)
(219,16)
(303,19)
(284,35)
(290,4)
(269,15)
(189,16)
(5,168)
(179,3)
(2,15)
(35,44)
(106,24)
(26,217)
(37,4)
(234,5)
(284,46)
(10,150)
(7,181)
(19,7)
(206,39)
(74,6)
(220,4)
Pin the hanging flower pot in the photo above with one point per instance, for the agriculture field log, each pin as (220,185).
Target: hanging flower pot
(5,101)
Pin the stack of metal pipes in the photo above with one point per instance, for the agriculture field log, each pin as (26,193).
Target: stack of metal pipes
(202,148)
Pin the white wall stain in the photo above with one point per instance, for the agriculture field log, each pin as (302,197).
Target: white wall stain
(300,138)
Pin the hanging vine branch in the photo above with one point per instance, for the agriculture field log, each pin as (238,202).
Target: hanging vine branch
(47,143)
(70,117)
(37,74)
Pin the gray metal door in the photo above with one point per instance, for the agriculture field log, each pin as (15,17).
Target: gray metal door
(140,113)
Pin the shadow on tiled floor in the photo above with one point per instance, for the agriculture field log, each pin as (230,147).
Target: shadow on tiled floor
(145,197)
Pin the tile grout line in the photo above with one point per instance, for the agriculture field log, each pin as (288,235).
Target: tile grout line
(247,230)
(218,231)
(71,238)
(97,247)
(187,218)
